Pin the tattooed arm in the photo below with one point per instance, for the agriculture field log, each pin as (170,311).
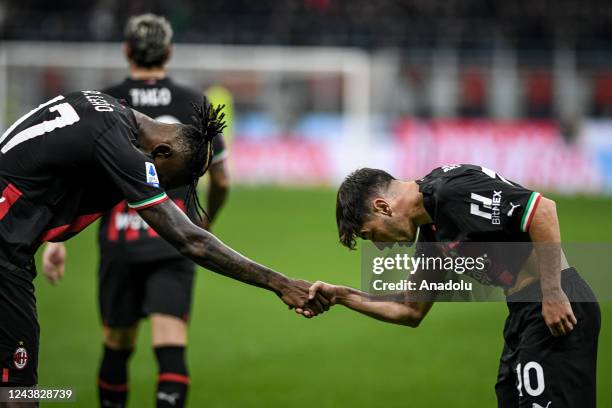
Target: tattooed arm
(208,251)
(392,308)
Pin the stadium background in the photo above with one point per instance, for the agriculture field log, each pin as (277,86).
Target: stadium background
(318,88)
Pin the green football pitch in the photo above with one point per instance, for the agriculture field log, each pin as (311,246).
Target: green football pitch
(247,350)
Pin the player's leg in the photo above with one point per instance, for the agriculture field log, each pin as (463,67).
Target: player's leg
(169,338)
(19,331)
(560,372)
(168,330)
(120,296)
(168,302)
(505,387)
(113,373)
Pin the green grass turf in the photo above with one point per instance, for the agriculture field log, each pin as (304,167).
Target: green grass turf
(248,350)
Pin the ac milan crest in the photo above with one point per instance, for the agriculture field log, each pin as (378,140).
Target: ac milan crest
(20,358)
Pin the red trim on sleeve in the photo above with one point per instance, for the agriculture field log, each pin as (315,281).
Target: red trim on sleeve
(5,373)
(172,377)
(535,206)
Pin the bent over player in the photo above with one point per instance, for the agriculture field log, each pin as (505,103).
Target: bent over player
(550,348)
(75,157)
(140,274)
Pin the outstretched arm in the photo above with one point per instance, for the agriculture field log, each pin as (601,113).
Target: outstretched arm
(400,311)
(208,251)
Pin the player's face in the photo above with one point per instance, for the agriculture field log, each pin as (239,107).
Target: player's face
(172,170)
(382,227)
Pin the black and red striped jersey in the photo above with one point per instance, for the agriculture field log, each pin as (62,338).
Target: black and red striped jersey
(122,231)
(65,163)
(476,210)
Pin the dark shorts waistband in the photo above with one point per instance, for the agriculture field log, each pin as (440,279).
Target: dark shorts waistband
(576,289)
(13,271)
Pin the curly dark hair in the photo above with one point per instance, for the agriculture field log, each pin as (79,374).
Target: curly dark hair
(208,123)
(352,201)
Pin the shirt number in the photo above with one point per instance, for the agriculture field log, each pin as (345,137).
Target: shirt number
(67,116)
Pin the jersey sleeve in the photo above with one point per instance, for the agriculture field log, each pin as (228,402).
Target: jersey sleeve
(131,171)
(483,201)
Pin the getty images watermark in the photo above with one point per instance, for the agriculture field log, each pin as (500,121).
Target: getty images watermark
(481,271)
(410,265)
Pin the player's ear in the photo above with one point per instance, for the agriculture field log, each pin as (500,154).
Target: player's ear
(162,150)
(381,206)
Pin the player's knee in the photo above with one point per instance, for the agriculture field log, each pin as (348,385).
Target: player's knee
(120,339)
(168,330)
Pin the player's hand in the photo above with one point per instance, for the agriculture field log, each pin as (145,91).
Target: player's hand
(295,295)
(317,290)
(557,313)
(54,261)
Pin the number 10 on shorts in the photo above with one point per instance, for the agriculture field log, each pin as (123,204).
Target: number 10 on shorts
(525,378)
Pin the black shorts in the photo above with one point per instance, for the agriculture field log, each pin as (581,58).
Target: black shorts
(19,330)
(539,370)
(128,292)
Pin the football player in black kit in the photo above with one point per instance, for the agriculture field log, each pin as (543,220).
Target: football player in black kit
(140,274)
(551,333)
(73,158)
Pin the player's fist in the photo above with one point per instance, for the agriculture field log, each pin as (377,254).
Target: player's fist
(557,313)
(54,261)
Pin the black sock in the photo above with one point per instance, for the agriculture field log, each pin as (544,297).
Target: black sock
(173,379)
(112,378)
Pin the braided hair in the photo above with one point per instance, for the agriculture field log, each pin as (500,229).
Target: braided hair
(148,37)
(208,123)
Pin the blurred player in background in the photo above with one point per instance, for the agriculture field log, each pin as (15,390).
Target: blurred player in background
(140,274)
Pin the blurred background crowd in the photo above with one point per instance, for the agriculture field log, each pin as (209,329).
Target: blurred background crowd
(475,30)
(358,72)
(466,24)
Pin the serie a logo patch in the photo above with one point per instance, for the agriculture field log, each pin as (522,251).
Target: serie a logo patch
(20,358)
(152,178)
